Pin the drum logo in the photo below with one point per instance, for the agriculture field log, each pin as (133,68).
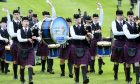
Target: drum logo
(59,30)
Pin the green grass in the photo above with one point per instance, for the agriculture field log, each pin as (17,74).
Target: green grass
(66,8)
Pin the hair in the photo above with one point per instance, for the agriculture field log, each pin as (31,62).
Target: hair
(76,16)
(130,13)
(95,15)
(25,18)
(119,12)
(68,20)
(45,13)
(16,11)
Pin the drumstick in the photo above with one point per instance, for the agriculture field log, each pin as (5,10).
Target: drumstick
(97,4)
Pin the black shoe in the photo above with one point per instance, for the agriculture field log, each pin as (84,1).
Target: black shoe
(62,75)
(48,70)
(33,73)
(31,83)
(8,71)
(22,82)
(88,71)
(15,78)
(38,63)
(71,75)
(92,71)
(100,72)
(103,63)
(115,78)
(86,81)
(51,72)
(76,81)
(137,83)
(130,79)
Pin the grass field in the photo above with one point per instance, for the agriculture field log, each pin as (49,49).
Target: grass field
(66,8)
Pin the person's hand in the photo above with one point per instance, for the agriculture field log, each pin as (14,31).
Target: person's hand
(98,31)
(89,35)
(48,1)
(99,4)
(34,37)
(6,40)
(30,40)
(87,38)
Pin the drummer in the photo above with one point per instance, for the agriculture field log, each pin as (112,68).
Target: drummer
(80,49)
(4,40)
(96,30)
(43,49)
(131,52)
(65,54)
(117,55)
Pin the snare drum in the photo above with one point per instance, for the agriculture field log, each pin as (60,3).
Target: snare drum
(8,57)
(104,48)
(53,50)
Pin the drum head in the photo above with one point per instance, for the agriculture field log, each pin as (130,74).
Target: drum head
(59,30)
(45,29)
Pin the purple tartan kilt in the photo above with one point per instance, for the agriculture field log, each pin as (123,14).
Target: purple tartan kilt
(42,50)
(117,57)
(93,48)
(127,58)
(83,60)
(30,60)
(65,52)
(14,50)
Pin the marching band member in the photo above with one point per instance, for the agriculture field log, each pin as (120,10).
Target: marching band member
(65,54)
(80,49)
(43,46)
(117,55)
(26,52)
(4,40)
(96,30)
(12,27)
(130,49)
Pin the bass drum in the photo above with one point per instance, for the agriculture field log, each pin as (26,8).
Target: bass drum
(56,31)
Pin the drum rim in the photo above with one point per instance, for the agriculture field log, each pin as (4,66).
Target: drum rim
(51,31)
(48,28)
(108,43)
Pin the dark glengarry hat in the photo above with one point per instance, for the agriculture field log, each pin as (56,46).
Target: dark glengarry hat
(30,11)
(130,13)
(68,20)
(45,13)
(95,15)
(4,19)
(16,11)
(76,16)
(88,17)
(119,12)
(25,18)
(34,15)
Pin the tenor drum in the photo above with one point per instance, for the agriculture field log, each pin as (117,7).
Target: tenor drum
(55,32)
